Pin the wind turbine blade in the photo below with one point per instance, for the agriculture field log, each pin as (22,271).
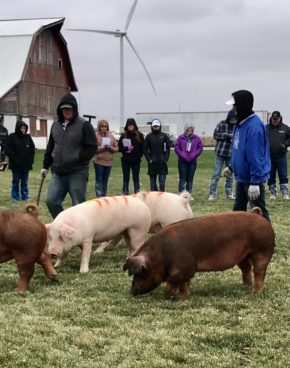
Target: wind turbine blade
(130,15)
(114,33)
(142,63)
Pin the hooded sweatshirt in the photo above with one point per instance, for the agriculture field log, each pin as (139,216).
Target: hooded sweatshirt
(20,149)
(70,148)
(250,159)
(137,141)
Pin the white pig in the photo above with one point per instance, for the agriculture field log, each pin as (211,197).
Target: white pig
(165,209)
(98,220)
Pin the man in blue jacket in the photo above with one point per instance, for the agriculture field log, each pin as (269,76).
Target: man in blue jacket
(250,159)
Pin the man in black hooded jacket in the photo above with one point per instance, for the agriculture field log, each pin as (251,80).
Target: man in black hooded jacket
(72,143)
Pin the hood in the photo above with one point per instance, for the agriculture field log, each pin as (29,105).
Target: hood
(244,102)
(18,125)
(186,127)
(130,121)
(67,99)
(231,114)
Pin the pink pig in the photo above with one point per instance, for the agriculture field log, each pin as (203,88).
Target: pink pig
(98,220)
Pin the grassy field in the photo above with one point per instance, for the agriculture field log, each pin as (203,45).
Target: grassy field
(91,320)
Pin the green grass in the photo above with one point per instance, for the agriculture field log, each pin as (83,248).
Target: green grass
(90,320)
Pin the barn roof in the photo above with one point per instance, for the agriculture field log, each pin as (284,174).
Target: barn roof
(16,39)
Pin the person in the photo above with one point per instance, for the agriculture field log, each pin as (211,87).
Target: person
(223,135)
(3,139)
(250,157)
(188,147)
(279,139)
(131,145)
(71,145)
(157,152)
(103,158)
(20,150)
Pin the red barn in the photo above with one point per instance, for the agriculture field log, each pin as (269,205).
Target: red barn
(35,72)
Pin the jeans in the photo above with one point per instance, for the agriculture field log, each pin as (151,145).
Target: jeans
(242,199)
(75,184)
(102,174)
(153,185)
(135,167)
(20,180)
(278,164)
(219,162)
(186,173)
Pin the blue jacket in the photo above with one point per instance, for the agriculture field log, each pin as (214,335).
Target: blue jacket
(250,158)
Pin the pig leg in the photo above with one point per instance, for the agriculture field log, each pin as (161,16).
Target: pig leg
(246,266)
(260,263)
(26,271)
(45,262)
(184,290)
(134,239)
(86,249)
(108,245)
(171,290)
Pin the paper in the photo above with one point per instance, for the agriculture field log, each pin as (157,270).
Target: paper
(127,142)
(106,141)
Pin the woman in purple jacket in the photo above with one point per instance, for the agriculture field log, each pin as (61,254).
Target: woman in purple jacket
(188,147)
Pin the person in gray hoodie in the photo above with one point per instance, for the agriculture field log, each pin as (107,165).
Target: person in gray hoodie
(71,145)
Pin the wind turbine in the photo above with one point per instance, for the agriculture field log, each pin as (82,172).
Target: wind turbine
(121,35)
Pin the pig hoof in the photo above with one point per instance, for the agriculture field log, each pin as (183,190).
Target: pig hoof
(84,270)
(98,250)
(54,278)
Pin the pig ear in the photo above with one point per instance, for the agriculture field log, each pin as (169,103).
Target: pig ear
(66,232)
(135,265)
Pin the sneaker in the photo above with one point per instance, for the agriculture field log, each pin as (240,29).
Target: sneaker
(285,197)
(212,197)
(273,197)
(230,196)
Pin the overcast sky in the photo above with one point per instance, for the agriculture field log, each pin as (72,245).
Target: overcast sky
(197,52)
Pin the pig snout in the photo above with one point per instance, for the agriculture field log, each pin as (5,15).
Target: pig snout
(55,251)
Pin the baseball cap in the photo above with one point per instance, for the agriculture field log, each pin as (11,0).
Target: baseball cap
(66,106)
(276,115)
(231,101)
(156,122)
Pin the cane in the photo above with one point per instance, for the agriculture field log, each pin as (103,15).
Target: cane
(39,191)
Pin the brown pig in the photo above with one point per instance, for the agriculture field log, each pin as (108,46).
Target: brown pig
(23,237)
(214,242)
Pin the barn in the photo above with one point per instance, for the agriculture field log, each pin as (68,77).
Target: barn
(35,72)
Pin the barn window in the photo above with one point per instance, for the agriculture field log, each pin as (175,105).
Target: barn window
(59,64)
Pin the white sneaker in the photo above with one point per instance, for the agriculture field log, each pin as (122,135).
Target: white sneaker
(285,197)
(230,196)
(273,197)
(212,197)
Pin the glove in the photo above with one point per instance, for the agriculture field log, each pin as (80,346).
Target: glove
(130,148)
(227,172)
(253,192)
(43,173)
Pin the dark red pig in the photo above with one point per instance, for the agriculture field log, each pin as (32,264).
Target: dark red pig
(213,242)
(23,237)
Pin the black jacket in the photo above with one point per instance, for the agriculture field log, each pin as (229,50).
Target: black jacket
(157,151)
(279,139)
(137,141)
(70,149)
(20,149)
(3,141)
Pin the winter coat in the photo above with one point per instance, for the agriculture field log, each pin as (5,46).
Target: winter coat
(3,141)
(137,141)
(157,151)
(70,149)
(20,149)
(279,139)
(194,143)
